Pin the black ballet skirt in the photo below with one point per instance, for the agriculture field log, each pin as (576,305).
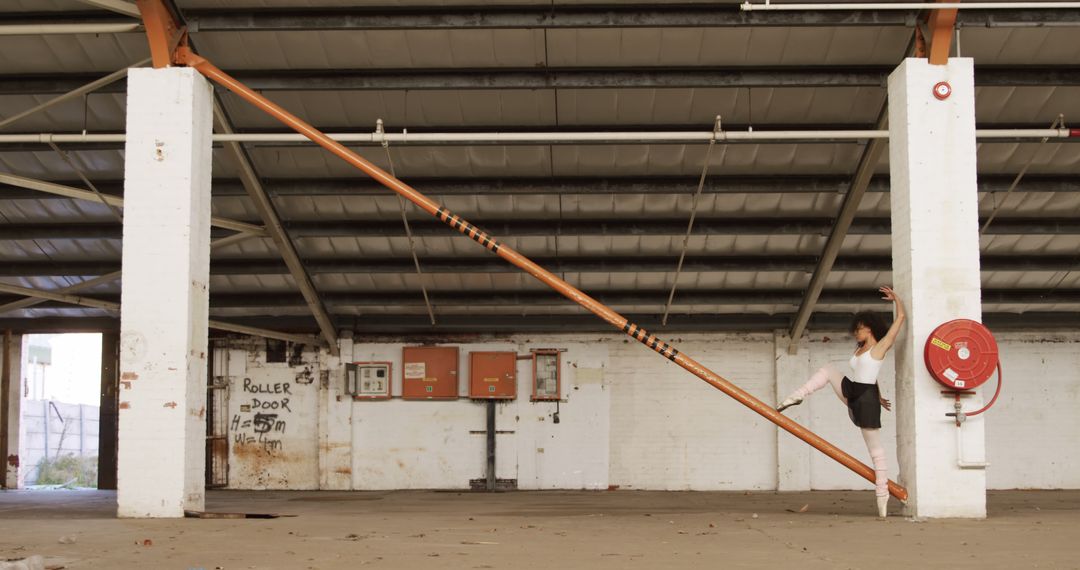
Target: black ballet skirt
(863,402)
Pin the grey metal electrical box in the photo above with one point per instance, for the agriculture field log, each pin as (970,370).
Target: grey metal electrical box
(368,380)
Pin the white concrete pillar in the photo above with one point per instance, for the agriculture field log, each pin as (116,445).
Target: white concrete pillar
(335,421)
(792,454)
(935,243)
(165,300)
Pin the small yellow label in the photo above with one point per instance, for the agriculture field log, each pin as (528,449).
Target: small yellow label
(490,379)
(941,344)
(430,379)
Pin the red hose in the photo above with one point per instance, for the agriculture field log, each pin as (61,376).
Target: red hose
(992,400)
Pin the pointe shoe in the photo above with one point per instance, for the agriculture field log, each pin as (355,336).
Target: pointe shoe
(790,401)
(883,507)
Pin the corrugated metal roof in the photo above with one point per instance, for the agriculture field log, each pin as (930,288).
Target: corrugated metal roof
(545,110)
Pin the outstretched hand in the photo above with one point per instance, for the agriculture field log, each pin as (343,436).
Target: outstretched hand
(887,293)
(885,404)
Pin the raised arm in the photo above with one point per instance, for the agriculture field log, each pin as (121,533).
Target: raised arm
(885,344)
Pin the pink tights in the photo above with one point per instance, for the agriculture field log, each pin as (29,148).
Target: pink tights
(872,437)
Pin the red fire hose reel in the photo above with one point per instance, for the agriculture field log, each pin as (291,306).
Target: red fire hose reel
(962,355)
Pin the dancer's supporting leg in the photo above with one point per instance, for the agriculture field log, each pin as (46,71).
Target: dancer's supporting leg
(881,468)
(825,375)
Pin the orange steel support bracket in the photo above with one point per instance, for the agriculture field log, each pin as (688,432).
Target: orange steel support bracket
(942,23)
(163,32)
(189,58)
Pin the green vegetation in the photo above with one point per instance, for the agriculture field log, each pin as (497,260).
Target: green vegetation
(68,471)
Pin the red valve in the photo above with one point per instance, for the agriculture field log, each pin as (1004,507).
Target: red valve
(961,354)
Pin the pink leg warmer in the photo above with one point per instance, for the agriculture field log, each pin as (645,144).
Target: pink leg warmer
(817,381)
(881,465)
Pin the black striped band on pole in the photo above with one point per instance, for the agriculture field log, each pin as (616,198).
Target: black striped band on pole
(468,229)
(652,341)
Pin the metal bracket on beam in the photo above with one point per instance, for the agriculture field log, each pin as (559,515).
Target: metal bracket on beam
(164,32)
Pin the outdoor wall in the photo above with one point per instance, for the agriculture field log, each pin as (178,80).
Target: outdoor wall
(52,429)
(629,419)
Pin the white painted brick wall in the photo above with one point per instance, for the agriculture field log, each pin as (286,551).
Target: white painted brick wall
(273,422)
(632,419)
(670,430)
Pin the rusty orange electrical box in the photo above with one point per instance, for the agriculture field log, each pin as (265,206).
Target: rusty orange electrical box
(429,373)
(493,375)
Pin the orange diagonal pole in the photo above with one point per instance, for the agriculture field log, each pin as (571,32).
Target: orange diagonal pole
(189,58)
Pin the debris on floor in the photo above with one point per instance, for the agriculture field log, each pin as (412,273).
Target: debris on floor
(208,515)
(35,562)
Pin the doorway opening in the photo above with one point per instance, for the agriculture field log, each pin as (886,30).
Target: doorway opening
(59,412)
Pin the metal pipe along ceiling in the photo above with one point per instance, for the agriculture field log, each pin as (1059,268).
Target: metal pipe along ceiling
(750,6)
(598,137)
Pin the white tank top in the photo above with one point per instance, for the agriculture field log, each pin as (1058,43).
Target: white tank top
(865,368)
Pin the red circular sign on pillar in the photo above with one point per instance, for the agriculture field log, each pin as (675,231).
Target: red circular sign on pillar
(961,354)
(942,90)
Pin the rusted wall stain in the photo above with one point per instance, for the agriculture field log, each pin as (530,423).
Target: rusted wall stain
(13,460)
(125,405)
(169,405)
(129,376)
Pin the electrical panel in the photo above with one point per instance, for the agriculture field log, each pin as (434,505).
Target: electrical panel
(493,375)
(547,375)
(368,380)
(429,373)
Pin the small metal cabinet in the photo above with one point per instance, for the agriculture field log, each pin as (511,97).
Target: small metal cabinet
(493,375)
(429,373)
(368,380)
(547,374)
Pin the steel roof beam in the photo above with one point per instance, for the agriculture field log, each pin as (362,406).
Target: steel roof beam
(65,191)
(118,6)
(860,181)
(572,264)
(720,184)
(249,179)
(564,78)
(612,16)
(271,302)
(553,228)
(418,327)
(572,17)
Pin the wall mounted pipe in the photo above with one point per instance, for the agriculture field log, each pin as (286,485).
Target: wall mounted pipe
(544,138)
(187,57)
(767,6)
(61,28)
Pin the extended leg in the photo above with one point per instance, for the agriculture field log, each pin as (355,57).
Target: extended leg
(824,375)
(881,468)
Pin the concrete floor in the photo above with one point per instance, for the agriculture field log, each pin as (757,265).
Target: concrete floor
(621,529)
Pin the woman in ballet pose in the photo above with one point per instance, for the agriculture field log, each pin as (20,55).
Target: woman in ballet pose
(859,389)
